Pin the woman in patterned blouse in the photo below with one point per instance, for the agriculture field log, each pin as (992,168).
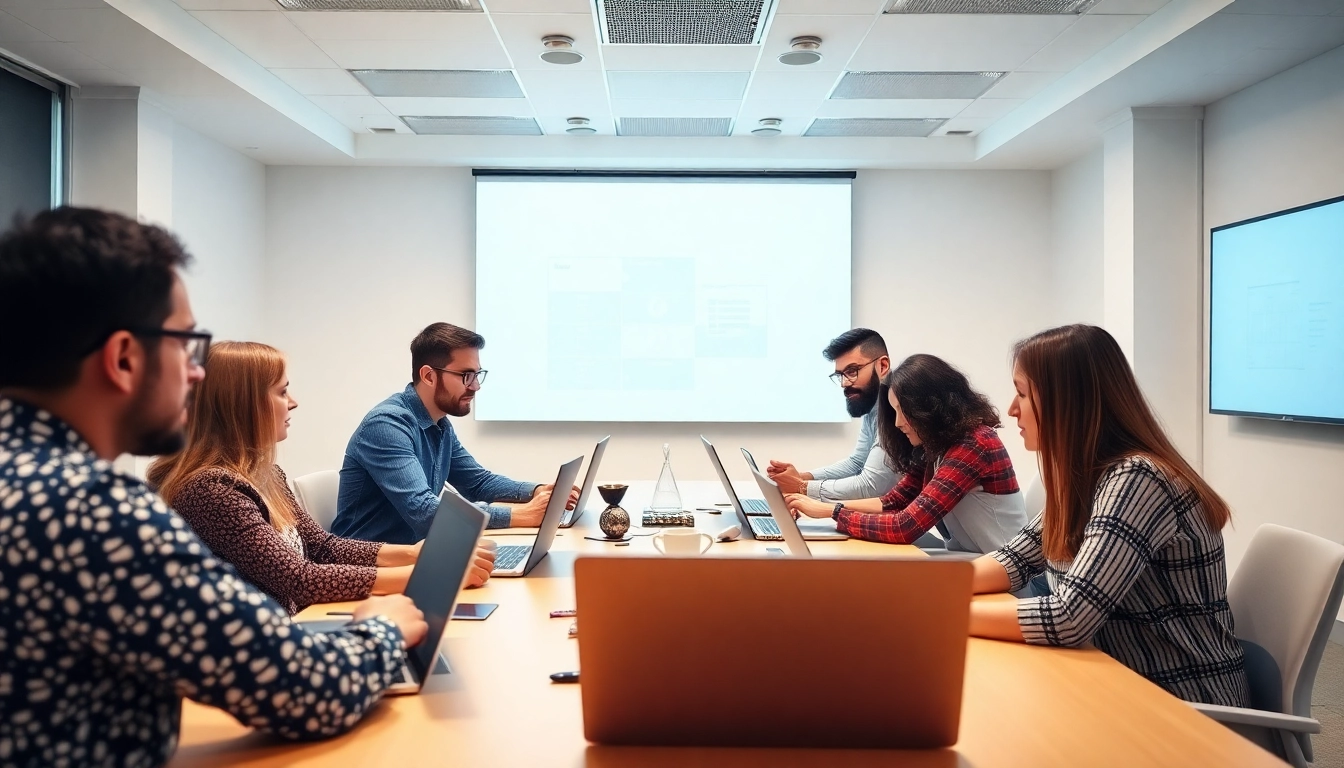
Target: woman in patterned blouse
(1130,537)
(957,477)
(227,486)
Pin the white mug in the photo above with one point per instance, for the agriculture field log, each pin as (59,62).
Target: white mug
(682,543)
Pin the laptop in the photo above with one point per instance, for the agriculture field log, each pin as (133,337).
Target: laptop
(513,560)
(743,506)
(782,517)
(765,528)
(572,516)
(436,581)
(902,689)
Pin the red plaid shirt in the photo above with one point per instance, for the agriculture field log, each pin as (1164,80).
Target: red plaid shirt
(919,501)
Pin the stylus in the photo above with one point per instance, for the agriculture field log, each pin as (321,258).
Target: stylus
(565,677)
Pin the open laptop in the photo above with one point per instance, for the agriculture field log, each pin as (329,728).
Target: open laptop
(680,689)
(743,506)
(572,516)
(765,528)
(782,517)
(519,559)
(436,581)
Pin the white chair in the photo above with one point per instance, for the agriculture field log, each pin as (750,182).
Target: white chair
(1284,597)
(317,495)
(1035,498)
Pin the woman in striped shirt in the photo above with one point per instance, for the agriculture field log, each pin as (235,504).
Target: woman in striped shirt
(1130,538)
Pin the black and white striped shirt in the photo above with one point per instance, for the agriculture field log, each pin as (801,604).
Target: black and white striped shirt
(1148,586)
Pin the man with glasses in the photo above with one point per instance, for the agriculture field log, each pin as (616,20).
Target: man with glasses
(111,609)
(406,449)
(860,357)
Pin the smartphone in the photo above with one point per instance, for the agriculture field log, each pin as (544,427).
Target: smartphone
(473,611)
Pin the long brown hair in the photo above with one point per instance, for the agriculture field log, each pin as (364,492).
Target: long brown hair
(939,403)
(231,425)
(1091,416)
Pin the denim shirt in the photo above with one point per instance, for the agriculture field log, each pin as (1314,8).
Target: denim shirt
(395,465)
(863,475)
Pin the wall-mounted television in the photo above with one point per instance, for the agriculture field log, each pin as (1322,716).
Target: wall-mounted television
(1276,315)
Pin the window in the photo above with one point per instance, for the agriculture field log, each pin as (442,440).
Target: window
(32,142)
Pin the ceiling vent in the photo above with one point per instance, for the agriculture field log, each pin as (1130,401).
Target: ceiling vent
(674,126)
(683,22)
(473,126)
(381,5)
(1036,7)
(874,126)
(915,85)
(958,133)
(449,83)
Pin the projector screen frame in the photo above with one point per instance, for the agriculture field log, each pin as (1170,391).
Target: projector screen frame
(1281,417)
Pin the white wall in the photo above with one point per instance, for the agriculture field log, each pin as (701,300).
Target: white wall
(1076,240)
(362,258)
(1275,145)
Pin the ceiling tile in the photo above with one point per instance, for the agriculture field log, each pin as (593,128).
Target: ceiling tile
(52,4)
(795,114)
(563,92)
(555,125)
(840,37)
(431,106)
(1284,7)
(522,33)
(830,7)
(955,43)
(670,108)
(539,6)
(1128,6)
(1022,85)
(199,82)
(228,5)
(973,124)
(351,110)
(321,82)
(798,85)
(53,56)
(1080,42)
(885,108)
(444,27)
(268,38)
(76,25)
(990,107)
(11,28)
(678,85)
(143,50)
(415,54)
(686,58)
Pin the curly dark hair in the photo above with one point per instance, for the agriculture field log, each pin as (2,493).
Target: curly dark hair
(939,404)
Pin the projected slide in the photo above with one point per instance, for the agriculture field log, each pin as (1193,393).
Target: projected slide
(660,300)
(1277,323)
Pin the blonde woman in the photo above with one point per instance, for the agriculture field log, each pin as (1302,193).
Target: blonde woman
(226,484)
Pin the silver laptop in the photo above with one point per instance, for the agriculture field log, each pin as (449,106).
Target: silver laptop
(519,559)
(743,506)
(763,527)
(572,515)
(444,562)
(810,528)
(781,516)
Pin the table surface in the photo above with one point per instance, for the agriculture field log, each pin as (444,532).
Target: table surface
(1026,706)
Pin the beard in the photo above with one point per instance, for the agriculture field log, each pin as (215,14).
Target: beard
(151,433)
(867,398)
(453,406)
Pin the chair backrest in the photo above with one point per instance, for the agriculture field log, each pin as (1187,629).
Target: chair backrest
(1284,597)
(1035,498)
(317,495)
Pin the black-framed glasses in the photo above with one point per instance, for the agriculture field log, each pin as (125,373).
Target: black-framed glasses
(197,343)
(851,373)
(468,377)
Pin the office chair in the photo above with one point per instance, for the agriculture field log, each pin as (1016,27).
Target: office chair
(317,495)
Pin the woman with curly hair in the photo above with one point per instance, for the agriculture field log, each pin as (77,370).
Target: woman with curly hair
(957,476)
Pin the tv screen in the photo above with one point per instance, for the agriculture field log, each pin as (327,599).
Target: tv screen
(1276,315)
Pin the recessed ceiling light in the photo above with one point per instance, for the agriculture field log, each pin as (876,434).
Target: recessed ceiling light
(802,51)
(769,127)
(579,126)
(381,129)
(560,50)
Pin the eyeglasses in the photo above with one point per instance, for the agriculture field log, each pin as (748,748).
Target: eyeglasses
(468,377)
(196,343)
(851,373)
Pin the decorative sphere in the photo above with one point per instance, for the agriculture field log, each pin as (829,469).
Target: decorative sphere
(614,522)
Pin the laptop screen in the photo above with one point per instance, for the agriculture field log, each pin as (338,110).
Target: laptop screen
(591,477)
(555,509)
(441,571)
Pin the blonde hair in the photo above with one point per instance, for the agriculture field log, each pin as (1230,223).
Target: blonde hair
(231,425)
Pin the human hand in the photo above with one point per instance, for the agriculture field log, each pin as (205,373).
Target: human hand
(398,609)
(482,563)
(800,504)
(529,514)
(787,477)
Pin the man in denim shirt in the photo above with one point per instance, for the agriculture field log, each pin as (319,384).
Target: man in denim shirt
(405,450)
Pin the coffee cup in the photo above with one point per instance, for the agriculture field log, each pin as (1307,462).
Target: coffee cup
(683,543)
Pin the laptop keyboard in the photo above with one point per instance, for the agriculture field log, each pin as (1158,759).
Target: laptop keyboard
(756,505)
(765,528)
(510,555)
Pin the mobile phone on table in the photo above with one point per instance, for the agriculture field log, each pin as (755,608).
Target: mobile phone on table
(473,611)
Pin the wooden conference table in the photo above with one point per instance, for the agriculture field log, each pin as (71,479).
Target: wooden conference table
(1025,706)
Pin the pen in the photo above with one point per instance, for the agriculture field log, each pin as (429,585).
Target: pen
(340,613)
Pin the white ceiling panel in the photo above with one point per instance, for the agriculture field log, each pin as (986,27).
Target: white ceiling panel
(351,110)
(667,108)
(522,33)
(432,106)
(321,82)
(50,4)
(539,6)
(1285,7)
(53,56)
(268,38)
(1128,6)
(143,51)
(787,110)
(563,92)
(11,28)
(943,108)
(993,108)
(198,82)
(228,5)
(95,78)
(832,7)
(972,124)
(960,43)
(78,25)
(691,86)
(840,37)
(555,125)
(1080,42)
(415,54)
(1022,85)
(687,58)
(445,27)
(800,84)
